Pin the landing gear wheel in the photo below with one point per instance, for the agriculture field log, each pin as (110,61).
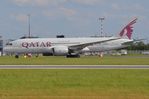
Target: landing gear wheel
(16,56)
(73,56)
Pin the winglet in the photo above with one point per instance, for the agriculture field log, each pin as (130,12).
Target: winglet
(128,29)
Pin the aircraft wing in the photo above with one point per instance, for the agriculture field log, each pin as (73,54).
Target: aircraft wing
(83,45)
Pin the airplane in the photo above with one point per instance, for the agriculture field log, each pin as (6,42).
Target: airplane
(125,41)
(70,47)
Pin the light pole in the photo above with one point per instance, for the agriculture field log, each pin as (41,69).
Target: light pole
(29,31)
(101,25)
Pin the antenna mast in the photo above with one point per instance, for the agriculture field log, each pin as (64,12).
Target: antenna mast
(101,25)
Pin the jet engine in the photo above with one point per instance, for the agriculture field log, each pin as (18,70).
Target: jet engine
(60,50)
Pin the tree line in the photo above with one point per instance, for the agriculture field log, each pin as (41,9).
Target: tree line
(138,46)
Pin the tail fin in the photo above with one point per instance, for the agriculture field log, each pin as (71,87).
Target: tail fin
(128,29)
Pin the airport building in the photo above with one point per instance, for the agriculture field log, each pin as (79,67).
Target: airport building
(1,46)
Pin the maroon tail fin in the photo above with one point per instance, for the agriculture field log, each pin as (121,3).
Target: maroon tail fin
(128,29)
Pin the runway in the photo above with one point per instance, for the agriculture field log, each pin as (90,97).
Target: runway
(74,66)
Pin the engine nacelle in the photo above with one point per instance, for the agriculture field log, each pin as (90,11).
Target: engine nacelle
(60,50)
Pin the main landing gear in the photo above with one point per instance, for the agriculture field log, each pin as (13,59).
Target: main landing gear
(73,56)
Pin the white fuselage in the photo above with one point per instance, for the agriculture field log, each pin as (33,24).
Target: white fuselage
(46,45)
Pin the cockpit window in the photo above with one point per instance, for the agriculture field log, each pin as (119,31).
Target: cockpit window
(9,44)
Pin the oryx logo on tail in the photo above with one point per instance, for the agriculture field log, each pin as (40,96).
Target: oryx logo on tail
(128,29)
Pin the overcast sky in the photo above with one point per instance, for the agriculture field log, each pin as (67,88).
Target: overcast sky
(72,18)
